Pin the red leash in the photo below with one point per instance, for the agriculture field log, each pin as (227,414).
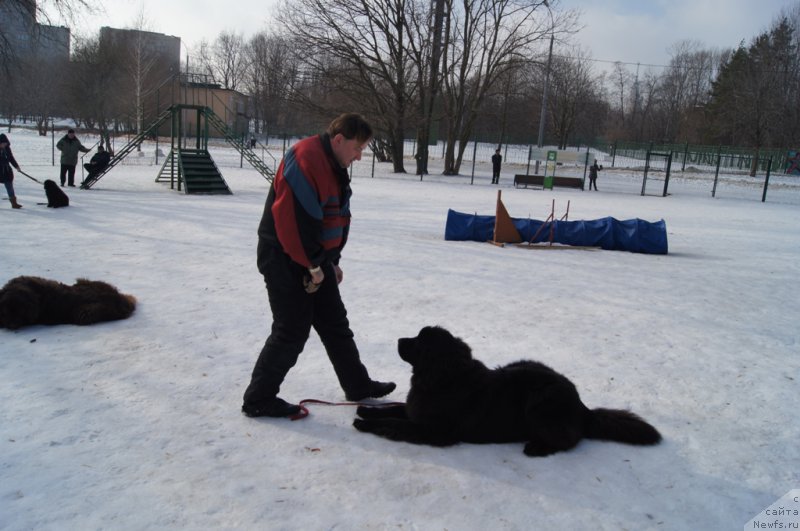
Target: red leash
(304,410)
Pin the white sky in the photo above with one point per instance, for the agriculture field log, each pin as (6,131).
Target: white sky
(642,31)
(632,31)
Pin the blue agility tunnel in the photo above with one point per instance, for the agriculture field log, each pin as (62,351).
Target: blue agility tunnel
(634,235)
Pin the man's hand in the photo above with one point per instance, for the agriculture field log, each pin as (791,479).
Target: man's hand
(314,279)
(339,274)
(317,275)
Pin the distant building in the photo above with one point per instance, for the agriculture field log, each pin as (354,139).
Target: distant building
(26,39)
(144,63)
(145,66)
(230,105)
(161,52)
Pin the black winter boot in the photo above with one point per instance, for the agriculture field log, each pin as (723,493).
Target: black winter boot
(373,390)
(276,407)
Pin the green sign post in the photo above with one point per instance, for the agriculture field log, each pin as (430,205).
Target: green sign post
(551,169)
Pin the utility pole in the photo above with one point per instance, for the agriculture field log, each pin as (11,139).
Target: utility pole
(544,98)
(544,93)
(636,128)
(540,139)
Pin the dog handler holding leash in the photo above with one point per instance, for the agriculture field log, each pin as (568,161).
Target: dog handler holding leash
(303,230)
(6,173)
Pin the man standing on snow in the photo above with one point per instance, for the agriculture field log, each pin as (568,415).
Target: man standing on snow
(593,169)
(303,230)
(497,160)
(69,146)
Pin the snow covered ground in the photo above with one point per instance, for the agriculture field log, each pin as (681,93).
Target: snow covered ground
(136,424)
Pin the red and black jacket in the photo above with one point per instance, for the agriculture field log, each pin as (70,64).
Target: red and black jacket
(307,213)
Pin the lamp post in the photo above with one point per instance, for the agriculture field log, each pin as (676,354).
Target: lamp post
(546,85)
(544,93)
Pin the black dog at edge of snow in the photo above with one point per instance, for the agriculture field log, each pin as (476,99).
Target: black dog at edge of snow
(27,300)
(455,398)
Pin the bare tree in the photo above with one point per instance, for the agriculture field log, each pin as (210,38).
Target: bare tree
(142,61)
(425,28)
(647,98)
(201,60)
(483,40)
(621,81)
(229,60)
(27,13)
(92,86)
(271,72)
(42,95)
(360,49)
(573,91)
(684,86)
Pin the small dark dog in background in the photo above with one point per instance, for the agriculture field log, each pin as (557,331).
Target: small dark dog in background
(26,301)
(56,198)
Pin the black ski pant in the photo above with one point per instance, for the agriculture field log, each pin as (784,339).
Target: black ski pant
(294,313)
(67,171)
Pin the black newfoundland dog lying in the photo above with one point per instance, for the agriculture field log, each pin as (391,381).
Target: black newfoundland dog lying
(456,398)
(26,301)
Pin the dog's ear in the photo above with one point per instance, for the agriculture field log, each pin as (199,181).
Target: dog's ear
(461,347)
(440,342)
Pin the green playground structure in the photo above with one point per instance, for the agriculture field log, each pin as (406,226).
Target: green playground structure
(189,167)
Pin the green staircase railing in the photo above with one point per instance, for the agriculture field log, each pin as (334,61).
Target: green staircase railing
(128,148)
(254,160)
(196,165)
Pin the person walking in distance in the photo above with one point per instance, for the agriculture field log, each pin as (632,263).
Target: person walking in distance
(69,146)
(497,160)
(593,169)
(303,230)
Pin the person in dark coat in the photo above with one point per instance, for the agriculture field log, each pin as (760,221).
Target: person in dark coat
(6,173)
(98,163)
(69,146)
(593,169)
(303,230)
(497,160)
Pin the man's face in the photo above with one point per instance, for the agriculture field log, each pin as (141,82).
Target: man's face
(347,150)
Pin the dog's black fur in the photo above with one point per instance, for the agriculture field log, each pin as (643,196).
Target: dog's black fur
(455,398)
(26,301)
(56,198)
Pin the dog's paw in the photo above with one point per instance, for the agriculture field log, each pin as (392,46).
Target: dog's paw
(367,412)
(382,428)
(396,411)
(362,425)
(533,449)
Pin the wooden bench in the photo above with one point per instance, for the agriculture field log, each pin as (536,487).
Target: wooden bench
(538,180)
